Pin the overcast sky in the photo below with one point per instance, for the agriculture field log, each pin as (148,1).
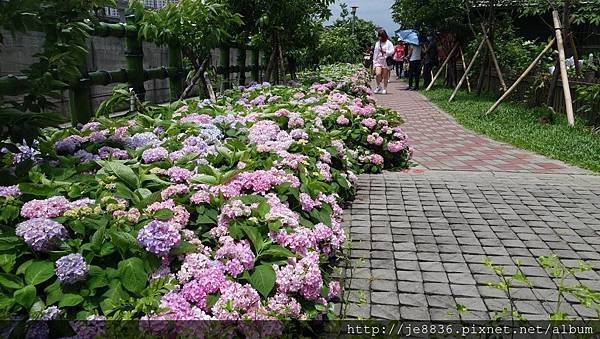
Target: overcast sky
(377,11)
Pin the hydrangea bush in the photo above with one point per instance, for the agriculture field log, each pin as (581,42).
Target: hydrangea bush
(228,210)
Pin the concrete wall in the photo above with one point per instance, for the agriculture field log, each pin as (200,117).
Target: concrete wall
(107,54)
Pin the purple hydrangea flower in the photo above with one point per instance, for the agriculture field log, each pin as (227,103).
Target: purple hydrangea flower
(69,144)
(46,208)
(49,313)
(85,156)
(298,134)
(159,237)
(71,268)
(92,126)
(178,174)
(41,234)
(142,139)
(154,154)
(10,191)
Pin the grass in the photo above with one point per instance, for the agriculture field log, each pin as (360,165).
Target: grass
(518,125)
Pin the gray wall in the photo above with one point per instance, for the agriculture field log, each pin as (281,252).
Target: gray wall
(108,54)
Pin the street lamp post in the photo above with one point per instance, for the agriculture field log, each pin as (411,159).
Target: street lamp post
(354,8)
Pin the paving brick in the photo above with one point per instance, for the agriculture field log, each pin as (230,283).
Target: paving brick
(389,312)
(424,232)
(471,303)
(385,298)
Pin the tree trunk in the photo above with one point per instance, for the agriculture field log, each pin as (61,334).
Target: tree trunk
(481,78)
(281,65)
(292,67)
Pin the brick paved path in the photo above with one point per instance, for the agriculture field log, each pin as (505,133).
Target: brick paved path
(419,237)
(441,143)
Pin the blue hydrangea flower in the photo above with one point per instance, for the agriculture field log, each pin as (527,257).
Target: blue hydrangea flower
(159,237)
(41,234)
(71,268)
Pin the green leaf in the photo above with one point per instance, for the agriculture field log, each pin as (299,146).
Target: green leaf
(8,243)
(183,248)
(211,300)
(123,172)
(277,251)
(25,296)
(163,214)
(23,267)
(70,299)
(263,279)
(262,209)
(204,179)
(132,274)
(255,237)
(53,293)
(7,262)
(38,272)
(96,278)
(123,240)
(204,220)
(10,281)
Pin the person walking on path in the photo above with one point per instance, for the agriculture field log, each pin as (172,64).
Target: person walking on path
(414,67)
(431,61)
(383,61)
(399,58)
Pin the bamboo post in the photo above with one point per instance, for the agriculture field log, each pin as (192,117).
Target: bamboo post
(224,63)
(493,55)
(525,73)
(563,69)
(80,96)
(462,79)
(437,74)
(134,55)
(462,56)
(242,65)
(175,81)
(256,65)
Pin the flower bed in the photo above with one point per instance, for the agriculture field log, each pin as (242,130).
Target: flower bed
(219,211)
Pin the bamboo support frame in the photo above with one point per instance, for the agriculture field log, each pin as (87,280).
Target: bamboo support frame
(563,68)
(134,56)
(256,62)
(225,65)
(521,78)
(445,63)
(462,79)
(241,66)
(493,55)
(134,74)
(462,57)
(175,81)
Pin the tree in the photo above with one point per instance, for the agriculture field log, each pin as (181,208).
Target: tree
(429,16)
(66,26)
(280,25)
(337,44)
(195,26)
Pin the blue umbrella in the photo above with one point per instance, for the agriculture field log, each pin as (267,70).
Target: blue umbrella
(409,35)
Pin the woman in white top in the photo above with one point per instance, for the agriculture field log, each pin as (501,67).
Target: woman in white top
(382,51)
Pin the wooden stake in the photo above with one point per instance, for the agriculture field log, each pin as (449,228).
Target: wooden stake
(462,56)
(575,55)
(437,74)
(462,79)
(525,73)
(563,69)
(489,45)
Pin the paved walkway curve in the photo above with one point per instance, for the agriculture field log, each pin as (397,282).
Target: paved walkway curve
(419,237)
